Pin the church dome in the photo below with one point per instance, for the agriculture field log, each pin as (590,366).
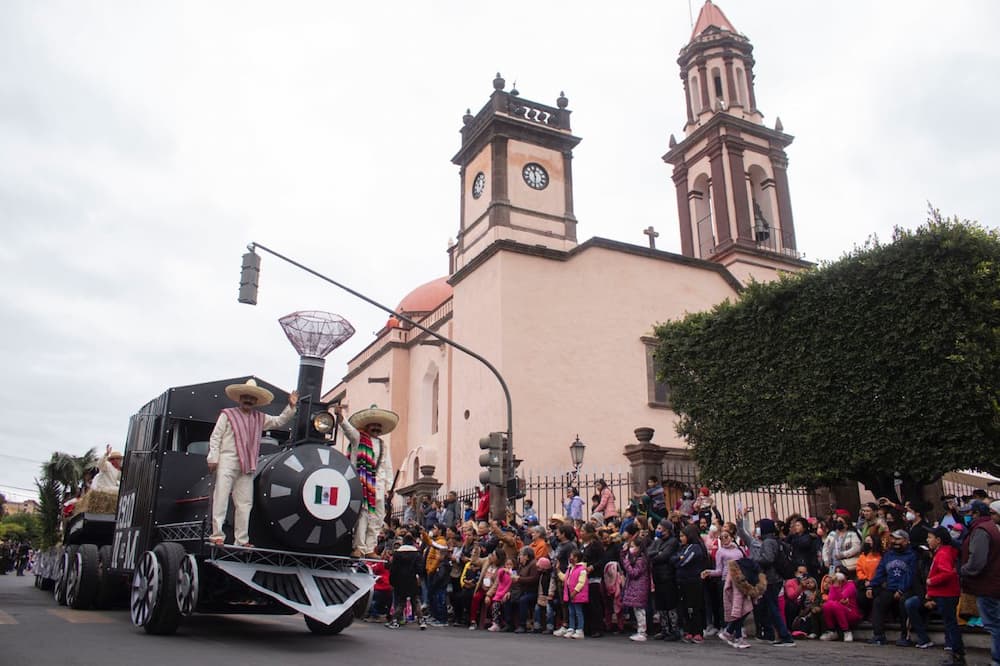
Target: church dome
(426,297)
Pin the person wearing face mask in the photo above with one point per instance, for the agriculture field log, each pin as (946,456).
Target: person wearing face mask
(871,555)
(895,581)
(919,529)
(842,545)
(661,552)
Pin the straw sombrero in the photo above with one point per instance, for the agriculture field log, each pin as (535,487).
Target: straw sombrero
(373,414)
(264,397)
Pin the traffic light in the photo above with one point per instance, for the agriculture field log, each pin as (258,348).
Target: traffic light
(516,488)
(492,460)
(248,278)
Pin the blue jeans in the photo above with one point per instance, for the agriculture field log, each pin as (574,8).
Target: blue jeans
(576,617)
(914,607)
(524,605)
(773,612)
(550,616)
(948,606)
(438,603)
(989,611)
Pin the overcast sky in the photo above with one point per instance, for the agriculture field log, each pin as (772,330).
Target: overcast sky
(144,144)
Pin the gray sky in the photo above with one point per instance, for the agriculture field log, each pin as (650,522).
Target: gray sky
(144,144)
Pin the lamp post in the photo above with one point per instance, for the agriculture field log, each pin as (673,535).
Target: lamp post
(248,294)
(576,450)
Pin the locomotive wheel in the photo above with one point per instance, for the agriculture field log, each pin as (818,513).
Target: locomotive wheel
(106,585)
(338,625)
(62,574)
(187,585)
(153,600)
(81,587)
(146,582)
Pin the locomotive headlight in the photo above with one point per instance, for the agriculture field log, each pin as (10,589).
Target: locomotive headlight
(323,422)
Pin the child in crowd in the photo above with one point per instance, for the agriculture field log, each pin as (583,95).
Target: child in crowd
(382,595)
(807,621)
(613,584)
(636,592)
(468,513)
(840,610)
(575,595)
(500,594)
(468,583)
(530,515)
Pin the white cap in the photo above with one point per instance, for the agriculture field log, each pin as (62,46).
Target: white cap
(995,507)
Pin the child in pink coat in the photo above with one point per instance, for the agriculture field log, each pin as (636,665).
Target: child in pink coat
(575,593)
(501,593)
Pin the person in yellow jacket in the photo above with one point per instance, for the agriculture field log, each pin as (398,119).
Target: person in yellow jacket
(438,569)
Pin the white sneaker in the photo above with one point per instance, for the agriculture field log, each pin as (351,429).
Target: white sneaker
(828,636)
(637,637)
(560,632)
(578,634)
(570,633)
(740,644)
(848,637)
(472,627)
(724,636)
(494,627)
(710,631)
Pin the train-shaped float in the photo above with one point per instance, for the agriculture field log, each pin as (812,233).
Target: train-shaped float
(155,550)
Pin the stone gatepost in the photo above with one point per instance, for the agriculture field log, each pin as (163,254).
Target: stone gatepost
(645,458)
(425,485)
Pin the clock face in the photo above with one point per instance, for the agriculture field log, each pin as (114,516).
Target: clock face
(535,176)
(479,185)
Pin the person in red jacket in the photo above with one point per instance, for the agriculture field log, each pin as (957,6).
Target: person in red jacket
(942,594)
(483,509)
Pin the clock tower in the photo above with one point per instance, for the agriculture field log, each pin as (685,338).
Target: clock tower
(516,176)
(730,170)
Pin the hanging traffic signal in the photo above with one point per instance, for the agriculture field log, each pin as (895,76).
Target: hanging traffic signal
(492,460)
(248,278)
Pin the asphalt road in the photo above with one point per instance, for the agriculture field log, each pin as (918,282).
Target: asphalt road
(34,631)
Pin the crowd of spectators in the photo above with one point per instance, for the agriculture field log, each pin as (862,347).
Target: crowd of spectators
(686,572)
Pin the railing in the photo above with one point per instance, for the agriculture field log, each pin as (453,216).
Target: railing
(773,239)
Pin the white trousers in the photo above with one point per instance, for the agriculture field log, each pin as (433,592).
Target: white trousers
(369,525)
(230,480)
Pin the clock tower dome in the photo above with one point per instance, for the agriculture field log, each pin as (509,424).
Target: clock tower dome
(516,176)
(730,170)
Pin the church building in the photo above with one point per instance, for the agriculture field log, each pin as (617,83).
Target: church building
(569,324)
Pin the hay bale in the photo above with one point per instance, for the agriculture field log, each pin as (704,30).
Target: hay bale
(96,501)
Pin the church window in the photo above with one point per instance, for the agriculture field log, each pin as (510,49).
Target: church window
(717,80)
(658,392)
(741,86)
(416,468)
(695,95)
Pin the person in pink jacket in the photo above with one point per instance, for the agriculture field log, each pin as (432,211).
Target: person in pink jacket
(606,506)
(575,594)
(500,593)
(840,610)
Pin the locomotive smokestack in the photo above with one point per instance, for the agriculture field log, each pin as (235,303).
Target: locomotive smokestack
(314,335)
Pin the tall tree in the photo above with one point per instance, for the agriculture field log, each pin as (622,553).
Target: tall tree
(885,362)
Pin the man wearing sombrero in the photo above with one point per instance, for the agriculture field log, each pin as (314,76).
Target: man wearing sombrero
(232,455)
(110,472)
(373,464)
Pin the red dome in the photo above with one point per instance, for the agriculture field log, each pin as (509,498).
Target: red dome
(426,297)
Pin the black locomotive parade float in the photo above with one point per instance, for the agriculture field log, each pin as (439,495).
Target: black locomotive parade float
(155,550)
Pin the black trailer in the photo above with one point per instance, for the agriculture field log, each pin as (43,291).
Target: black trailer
(301,560)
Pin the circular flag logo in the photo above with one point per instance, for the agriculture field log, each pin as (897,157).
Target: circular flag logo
(326,494)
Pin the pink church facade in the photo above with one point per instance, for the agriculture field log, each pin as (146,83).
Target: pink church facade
(569,325)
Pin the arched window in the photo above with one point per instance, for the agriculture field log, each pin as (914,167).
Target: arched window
(741,87)
(435,390)
(717,85)
(701,196)
(765,223)
(416,468)
(695,96)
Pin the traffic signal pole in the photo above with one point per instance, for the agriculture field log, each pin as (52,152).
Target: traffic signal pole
(248,294)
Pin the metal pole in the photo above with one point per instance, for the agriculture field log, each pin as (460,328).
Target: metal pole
(496,373)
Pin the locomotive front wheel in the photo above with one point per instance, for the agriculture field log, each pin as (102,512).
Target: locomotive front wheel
(81,586)
(338,625)
(187,585)
(154,585)
(146,582)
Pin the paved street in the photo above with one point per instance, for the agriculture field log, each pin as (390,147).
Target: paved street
(36,632)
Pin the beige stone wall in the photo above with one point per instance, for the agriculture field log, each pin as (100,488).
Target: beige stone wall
(552,199)
(474,208)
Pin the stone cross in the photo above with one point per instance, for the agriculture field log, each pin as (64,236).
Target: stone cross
(653,235)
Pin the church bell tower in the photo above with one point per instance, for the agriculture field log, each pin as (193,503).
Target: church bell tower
(516,176)
(730,170)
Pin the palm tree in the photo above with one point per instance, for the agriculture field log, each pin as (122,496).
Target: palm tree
(67,470)
(50,508)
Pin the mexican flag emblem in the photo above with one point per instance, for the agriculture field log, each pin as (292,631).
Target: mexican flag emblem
(326,495)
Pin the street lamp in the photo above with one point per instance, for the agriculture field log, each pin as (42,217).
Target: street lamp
(576,450)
